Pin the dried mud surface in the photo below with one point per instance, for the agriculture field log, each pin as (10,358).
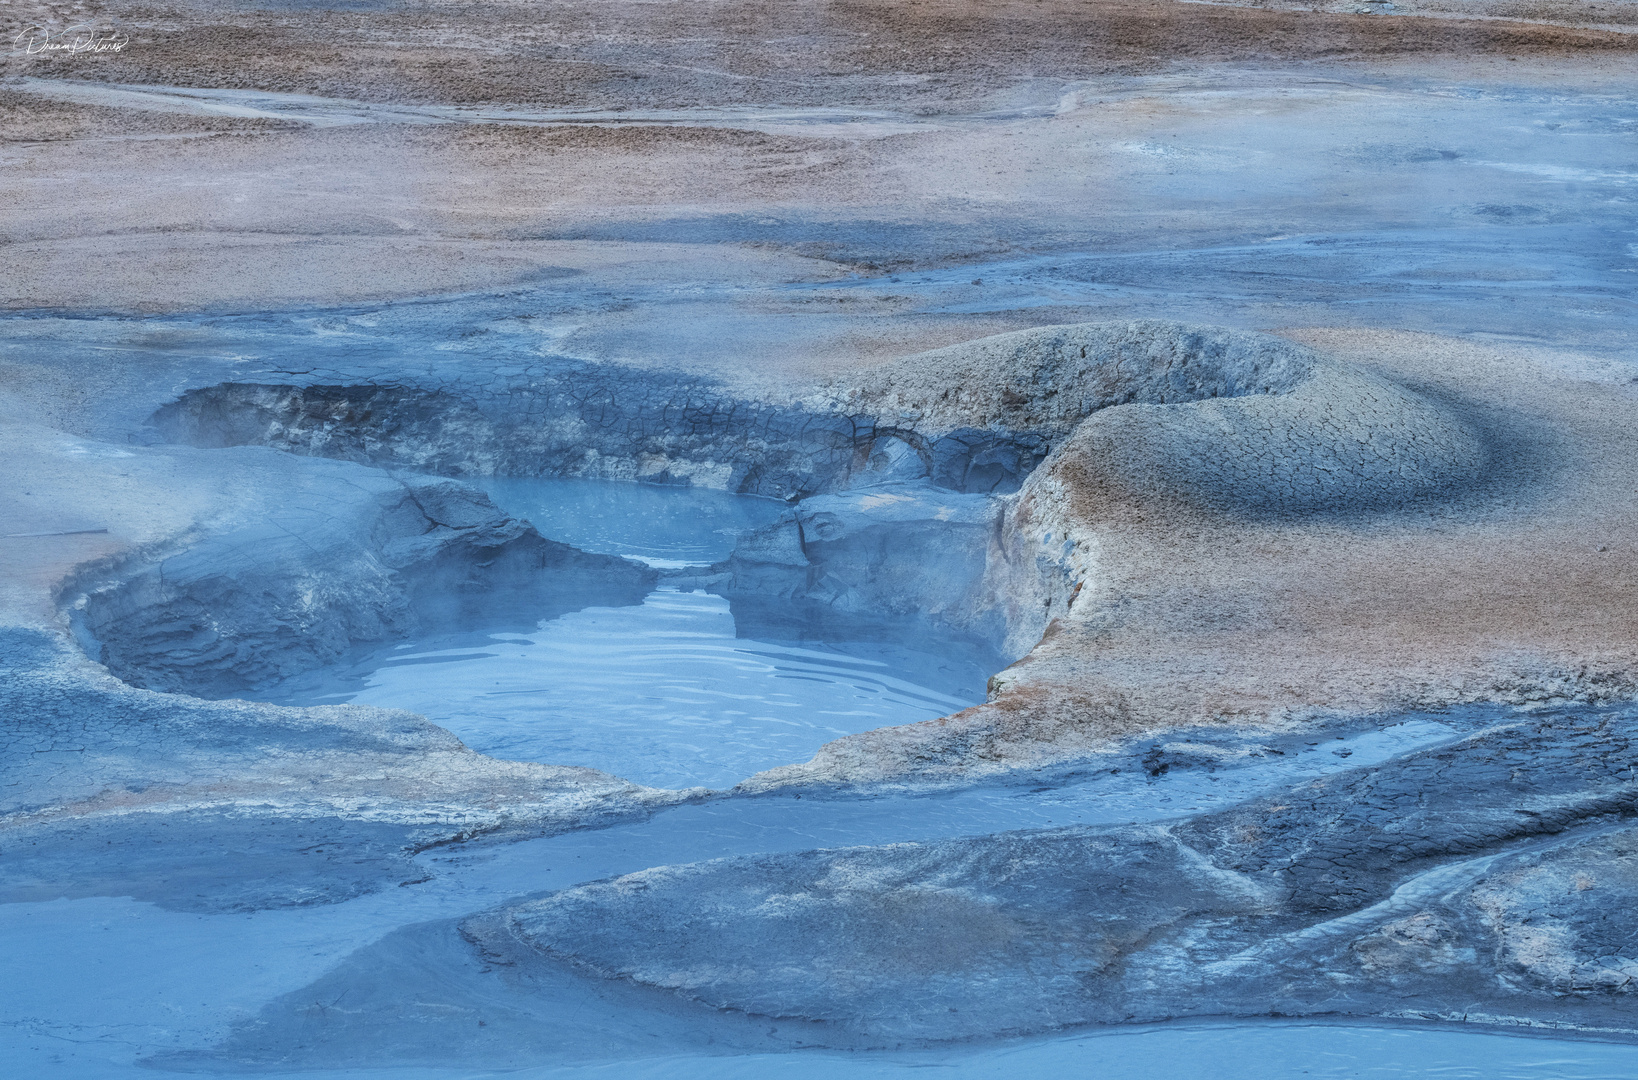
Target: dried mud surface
(391,232)
(930,54)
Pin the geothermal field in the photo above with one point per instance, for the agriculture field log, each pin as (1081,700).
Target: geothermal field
(682,539)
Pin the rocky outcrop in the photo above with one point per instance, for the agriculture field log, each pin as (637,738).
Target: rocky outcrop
(894,550)
(1494,872)
(365,558)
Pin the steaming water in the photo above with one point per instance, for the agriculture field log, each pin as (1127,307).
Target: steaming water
(661,526)
(665,693)
(1483,212)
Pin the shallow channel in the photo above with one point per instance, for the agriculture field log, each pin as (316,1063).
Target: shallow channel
(664,692)
(110,982)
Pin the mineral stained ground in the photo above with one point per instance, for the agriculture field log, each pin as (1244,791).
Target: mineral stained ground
(1250,378)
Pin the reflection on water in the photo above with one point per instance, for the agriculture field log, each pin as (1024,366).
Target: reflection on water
(662,693)
(661,526)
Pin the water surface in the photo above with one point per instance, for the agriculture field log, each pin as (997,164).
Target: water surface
(670,692)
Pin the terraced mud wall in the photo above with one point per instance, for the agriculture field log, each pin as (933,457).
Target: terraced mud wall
(599,422)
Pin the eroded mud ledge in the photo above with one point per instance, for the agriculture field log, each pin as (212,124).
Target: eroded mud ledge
(364,558)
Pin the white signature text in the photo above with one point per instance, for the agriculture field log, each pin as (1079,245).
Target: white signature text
(38,40)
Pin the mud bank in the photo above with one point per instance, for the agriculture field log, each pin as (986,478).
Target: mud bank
(304,584)
(1423,914)
(1104,502)
(233,805)
(1491,872)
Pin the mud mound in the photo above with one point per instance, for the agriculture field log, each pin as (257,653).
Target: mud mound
(1149,412)
(1050,378)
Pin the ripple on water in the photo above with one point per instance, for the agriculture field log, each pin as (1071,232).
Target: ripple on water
(667,692)
(663,693)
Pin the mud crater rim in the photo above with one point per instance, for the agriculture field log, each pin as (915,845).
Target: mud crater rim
(894,436)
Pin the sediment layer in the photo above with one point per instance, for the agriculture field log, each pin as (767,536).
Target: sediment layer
(1492,871)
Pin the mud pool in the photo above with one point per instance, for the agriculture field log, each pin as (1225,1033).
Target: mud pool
(467,287)
(667,693)
(391,976)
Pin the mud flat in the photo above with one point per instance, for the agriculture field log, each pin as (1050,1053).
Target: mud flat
(1254,384)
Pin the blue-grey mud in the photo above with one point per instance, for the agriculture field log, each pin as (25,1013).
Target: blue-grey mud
(740,538)
(673,692)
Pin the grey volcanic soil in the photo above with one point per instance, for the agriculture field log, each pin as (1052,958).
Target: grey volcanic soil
(934,55)
(268,266)
(1409,889)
